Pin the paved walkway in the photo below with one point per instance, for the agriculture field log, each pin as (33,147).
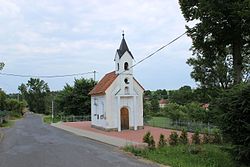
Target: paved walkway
(119,139)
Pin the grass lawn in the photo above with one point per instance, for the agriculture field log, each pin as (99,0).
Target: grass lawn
(184,156)
(161,122)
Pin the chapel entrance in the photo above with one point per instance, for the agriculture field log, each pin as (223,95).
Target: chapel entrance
(124,118)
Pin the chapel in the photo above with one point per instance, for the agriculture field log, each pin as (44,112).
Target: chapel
(117,99)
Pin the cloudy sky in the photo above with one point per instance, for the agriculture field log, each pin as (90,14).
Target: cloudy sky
(45,37)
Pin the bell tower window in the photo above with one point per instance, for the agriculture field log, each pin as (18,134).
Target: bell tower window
(126,66)
(117,66)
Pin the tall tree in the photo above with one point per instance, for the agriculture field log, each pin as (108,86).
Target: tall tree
(34,92)
(75,99)
(220,39)
(1,65)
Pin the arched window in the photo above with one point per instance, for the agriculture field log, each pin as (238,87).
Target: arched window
(117,66)
(126,90)
(126,66)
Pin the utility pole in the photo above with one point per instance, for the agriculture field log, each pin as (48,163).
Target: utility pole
(52,110)
(94,75)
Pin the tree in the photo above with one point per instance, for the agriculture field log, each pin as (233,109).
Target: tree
(75,100)
(1,65)
(235,105)
(2,100)
(35,92)
(220,39)
(182,96)
(155,108)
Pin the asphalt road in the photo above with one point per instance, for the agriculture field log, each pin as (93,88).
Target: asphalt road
(30,143)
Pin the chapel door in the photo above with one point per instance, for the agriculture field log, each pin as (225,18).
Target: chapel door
(124,118)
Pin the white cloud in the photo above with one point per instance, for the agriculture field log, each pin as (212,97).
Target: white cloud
(75,36)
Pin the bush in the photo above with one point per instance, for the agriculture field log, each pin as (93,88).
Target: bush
(162,141)
(173,139)
(146,137)
(217,138)
(151,143)
(206,137)
(183,137)
(196,137)
(149,139)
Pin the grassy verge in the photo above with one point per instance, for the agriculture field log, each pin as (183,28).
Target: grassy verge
(186,155)
(48,119)
(7,124)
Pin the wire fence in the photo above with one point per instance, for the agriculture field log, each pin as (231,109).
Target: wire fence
(190,126)
(73,118)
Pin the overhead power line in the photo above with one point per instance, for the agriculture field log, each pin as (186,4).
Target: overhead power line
(47,76)
(150,55)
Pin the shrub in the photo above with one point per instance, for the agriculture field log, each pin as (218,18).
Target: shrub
(146,137)
(162,141)
(206,138)
(149,139)
(173,139)
(217,138)
(183,137)
(151,143)
(196,137)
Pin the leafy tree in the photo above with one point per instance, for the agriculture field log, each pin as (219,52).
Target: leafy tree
(75,100)
(220,40)
(35,92)
(175,112)
(235,105)
(1,65)
(2,100)
(182,96)
(155,108)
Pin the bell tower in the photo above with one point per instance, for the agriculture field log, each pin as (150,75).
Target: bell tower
(123,63)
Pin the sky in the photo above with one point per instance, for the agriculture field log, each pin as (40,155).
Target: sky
(45,37)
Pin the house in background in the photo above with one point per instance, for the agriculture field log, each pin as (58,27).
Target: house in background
(163,103)
(117,99)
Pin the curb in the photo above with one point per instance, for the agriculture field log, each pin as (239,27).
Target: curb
(114,141)
(1,136)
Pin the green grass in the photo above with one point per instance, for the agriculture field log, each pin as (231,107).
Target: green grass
(161,122)
(181,156)
(47,119)
(7,124)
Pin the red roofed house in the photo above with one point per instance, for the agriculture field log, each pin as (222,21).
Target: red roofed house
(117,100)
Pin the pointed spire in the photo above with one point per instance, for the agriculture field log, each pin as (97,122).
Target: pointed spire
(123,47)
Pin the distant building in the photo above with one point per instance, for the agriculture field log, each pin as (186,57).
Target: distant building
(163,103)
(205,106)
(117,100)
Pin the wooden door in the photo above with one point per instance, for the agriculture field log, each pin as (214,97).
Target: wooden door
(124,118)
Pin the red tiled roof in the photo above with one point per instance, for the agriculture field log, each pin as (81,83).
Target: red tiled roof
(103,84)
(163,101)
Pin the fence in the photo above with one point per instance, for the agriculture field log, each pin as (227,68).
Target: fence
(73,118)
(190,126)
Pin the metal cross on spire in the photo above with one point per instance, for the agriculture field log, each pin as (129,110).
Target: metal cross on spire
(123,33)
